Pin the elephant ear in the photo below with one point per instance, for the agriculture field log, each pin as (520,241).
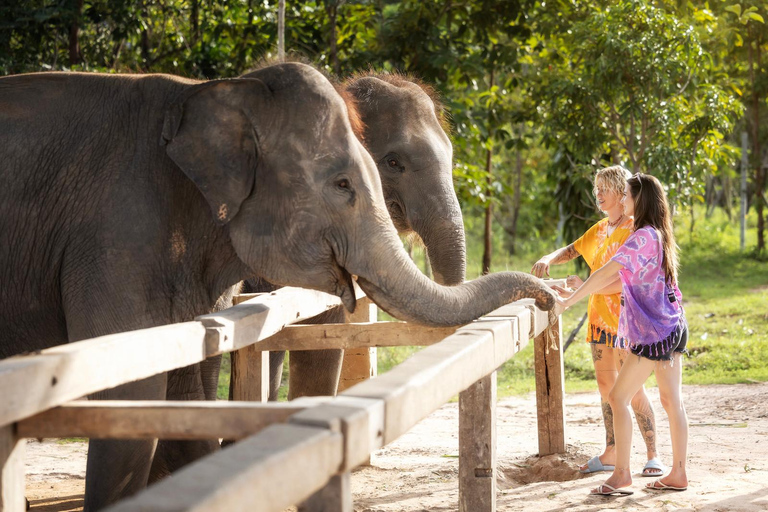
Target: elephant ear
(210,135)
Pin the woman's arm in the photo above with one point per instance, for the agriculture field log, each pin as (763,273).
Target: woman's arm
(599,280)
(562,255)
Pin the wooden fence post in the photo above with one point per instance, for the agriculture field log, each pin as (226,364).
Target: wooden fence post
(11,471)
(249,372)
(550,389)
(477,446)
(336,496)
(360,363)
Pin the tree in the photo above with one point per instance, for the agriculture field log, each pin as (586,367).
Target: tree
(630,83)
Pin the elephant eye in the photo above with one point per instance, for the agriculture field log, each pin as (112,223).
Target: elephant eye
(343,183)
(393,163)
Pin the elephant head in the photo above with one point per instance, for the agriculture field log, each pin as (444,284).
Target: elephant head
(403,131)
(278,163)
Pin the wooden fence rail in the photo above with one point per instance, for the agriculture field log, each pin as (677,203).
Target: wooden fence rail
(317,441)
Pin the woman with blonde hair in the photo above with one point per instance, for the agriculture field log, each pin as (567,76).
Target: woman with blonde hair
(597,246)
(652,327)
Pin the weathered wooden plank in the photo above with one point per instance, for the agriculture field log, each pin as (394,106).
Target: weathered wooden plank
(250,374)
(550,390)
(181,420)
(11,471)
(359,420)
(336,496)
(359,364)
(355,335)
(477,446)
(34,383)
(259,318)
(278,467)
(429,378)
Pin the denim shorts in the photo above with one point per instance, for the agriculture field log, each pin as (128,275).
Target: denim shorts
(677,341)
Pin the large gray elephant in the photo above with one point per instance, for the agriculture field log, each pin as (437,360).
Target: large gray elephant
(403,131)
(128,202)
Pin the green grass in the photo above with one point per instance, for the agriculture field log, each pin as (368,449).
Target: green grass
(725,293)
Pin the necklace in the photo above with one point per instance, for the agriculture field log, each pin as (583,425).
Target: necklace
(616,222)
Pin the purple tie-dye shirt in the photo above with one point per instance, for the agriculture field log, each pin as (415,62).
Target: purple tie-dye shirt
(648,316)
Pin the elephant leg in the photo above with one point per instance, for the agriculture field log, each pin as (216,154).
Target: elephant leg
(316,372)
(276,360)
(194,382)
(115,468)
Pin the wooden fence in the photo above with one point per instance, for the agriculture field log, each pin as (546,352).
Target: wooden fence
(299,452)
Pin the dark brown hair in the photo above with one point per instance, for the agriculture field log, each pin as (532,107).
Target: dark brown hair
(652,209)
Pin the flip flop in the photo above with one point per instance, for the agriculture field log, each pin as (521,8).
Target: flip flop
(654,463)
(594,465)
(612,491)
(663,487)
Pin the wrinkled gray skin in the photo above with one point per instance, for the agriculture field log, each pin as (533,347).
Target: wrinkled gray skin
(129,202)
(413,155)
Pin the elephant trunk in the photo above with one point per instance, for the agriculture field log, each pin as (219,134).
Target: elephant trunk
(394,282)
(441,227)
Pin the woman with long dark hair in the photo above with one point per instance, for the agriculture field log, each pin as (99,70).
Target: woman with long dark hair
(652,327)
(597,246)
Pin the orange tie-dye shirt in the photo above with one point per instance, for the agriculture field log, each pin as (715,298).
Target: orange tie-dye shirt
(597,248)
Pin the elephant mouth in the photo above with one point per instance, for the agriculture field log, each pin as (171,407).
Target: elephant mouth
(397,214)
(344,286)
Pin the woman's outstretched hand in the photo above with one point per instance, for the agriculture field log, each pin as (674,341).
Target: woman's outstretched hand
(573,281)
(563,292)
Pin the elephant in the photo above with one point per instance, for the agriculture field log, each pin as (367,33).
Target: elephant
(404,131)
(133,201)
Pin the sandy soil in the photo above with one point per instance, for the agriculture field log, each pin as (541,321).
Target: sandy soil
(728,464)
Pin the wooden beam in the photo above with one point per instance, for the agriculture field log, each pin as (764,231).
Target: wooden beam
(34,383)
(278,467)
(250,374)
(360,363)
(359,420)
(259,318)
(550,390)
(429,378)
(355,335)
(182,420)
(11,471)
(477,446)
(336,496)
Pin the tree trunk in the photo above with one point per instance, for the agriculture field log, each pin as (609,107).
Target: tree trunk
(195,20)
(756,153)
(74,30)
(281,30)
(145,39)
(489,208)
(516,197)
(332,8)
(759,174)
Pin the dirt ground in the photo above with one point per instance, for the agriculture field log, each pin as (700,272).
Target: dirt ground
(728,463)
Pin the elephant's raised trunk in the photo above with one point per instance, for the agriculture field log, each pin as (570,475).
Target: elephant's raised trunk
(393,282)
(442,230)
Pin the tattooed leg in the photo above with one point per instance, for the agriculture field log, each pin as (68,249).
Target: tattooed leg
(610,436)
(605,373)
